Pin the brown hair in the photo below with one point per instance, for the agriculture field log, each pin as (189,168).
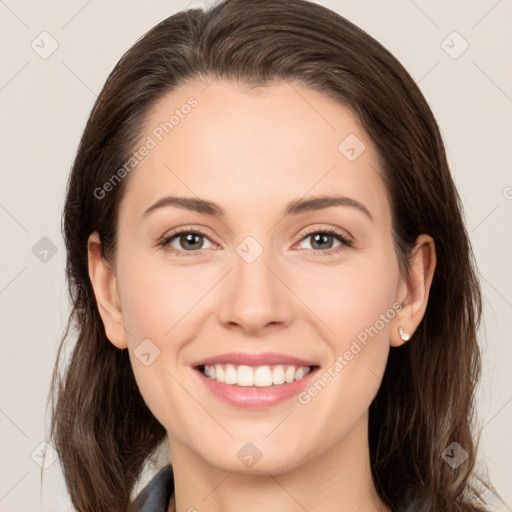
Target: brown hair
(102,429)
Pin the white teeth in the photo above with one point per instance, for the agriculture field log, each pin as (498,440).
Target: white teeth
(278,375)
(261,376)
(301,372)
(219,373)
(230,376)
(289,374)
(245,376)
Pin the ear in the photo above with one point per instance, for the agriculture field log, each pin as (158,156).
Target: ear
(104,283)
(414,289)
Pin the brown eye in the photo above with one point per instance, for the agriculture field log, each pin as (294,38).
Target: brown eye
(322,241)
(191,241)
(186,241)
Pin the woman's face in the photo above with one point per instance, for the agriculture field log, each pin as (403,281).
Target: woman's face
(262,285)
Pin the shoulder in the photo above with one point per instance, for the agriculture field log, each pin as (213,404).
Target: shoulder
(156,495)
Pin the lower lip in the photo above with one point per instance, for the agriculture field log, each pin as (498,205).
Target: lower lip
(254,396)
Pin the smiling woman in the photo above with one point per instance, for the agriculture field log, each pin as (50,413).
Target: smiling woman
(290,248)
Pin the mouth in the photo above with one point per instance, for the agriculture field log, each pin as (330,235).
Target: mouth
(255,381)
(255,376)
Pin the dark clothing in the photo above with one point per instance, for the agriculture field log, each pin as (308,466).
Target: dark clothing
(155,497)
(157,494)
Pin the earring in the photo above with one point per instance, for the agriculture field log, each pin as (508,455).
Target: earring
(403,334)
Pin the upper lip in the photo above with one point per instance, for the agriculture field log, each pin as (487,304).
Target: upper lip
(264,359)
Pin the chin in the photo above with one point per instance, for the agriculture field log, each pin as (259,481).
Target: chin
(254,457)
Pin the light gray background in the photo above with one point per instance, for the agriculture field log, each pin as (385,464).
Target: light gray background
(45,104)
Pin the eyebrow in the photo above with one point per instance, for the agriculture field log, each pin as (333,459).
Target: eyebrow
(292,208)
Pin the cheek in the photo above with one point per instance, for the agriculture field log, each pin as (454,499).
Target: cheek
(349,297)
(152,310)
(149,307)
(355,306)
(157,298)
(341,304)
(158,304)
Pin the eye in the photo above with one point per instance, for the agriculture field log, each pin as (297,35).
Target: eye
(189,242)
(185,241)
(322,241)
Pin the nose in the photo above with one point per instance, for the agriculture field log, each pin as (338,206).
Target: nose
(255,298)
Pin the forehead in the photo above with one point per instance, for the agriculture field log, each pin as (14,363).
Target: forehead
(251,148)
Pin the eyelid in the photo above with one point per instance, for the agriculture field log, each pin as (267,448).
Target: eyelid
(343,236)
(327,229)
(186,229)
(168,236)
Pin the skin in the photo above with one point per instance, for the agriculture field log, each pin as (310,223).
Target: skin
(252,152)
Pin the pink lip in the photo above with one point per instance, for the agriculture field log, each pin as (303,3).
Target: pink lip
(267,358)
(256,397)
(253,396)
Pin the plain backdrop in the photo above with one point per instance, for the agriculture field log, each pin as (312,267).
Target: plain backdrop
(55,58)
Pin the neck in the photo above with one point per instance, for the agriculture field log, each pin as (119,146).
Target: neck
(339,479)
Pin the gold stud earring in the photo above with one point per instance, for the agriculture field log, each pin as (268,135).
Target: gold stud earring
(403,334)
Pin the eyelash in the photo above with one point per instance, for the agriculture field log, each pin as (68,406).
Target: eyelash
(346,242)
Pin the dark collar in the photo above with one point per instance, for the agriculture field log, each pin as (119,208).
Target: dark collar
(155,497)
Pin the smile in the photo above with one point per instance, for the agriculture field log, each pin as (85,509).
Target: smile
(256,376)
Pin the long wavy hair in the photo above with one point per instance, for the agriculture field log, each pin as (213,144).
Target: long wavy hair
(101,427)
